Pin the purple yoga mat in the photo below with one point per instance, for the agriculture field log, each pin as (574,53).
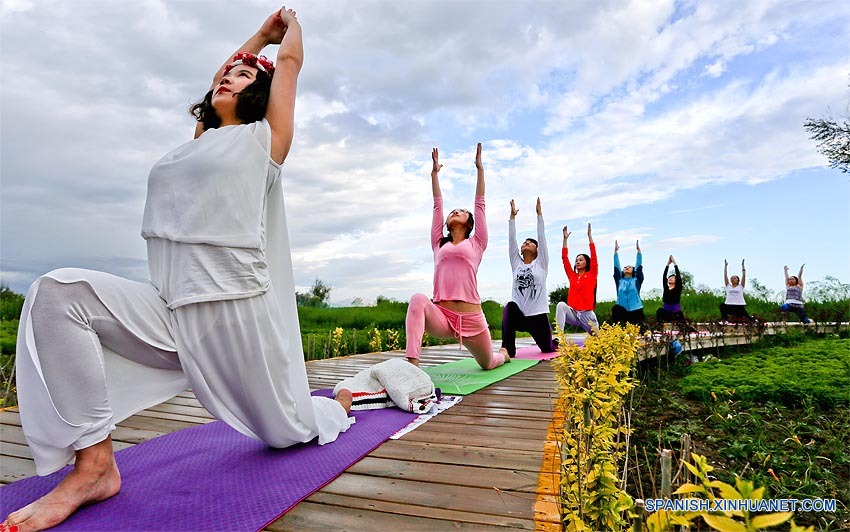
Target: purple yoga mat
(211,477)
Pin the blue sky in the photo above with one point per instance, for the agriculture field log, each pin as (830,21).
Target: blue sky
(679,123)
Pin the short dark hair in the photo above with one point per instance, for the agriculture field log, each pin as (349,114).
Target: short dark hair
(470,225)
(532,241)
(250,107)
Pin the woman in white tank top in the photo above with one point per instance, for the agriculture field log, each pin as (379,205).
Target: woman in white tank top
(734,306)
(219,313)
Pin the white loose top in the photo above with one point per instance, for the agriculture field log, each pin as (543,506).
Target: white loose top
(735,295)
(205,216)
(529,286)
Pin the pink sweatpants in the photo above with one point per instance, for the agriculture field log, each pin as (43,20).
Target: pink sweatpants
(469,327)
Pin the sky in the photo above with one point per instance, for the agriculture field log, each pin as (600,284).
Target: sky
(678,123)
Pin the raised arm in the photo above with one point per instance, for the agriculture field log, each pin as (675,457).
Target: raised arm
(479,166)
(638,266)
(800,276)
(743,273)
(589,234)
(593,267)
(281,110)
(435,171)
(480,237)
(639,258)
(618,272)
(513,248)
(565,254)
(542,247)
(786,275)
(676,271)
(725,272)
(271,32)
(437,219)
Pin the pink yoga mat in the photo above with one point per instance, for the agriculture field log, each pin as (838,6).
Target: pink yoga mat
(533,352)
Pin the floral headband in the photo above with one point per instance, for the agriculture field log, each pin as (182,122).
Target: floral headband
(260,62)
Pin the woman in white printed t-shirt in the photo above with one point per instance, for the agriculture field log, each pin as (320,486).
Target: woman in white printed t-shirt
(219,314)
(735,305)
(528,309)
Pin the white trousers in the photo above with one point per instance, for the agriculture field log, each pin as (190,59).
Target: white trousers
(93,349)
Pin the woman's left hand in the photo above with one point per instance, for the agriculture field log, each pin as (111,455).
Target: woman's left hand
(287,16)
(478,163)
(273,29)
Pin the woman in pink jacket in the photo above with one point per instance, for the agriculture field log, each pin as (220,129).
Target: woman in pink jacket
(455,311)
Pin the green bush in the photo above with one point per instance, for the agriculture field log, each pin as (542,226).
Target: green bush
(818,369)
(11,303)
(8,336)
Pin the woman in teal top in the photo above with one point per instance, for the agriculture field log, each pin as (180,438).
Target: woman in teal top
(629,307)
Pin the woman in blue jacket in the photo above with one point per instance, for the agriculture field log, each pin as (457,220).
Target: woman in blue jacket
(629,307)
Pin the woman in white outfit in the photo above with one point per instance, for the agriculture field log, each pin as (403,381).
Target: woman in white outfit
(219,314)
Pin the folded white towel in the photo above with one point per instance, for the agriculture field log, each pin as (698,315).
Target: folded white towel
(409,387)
(393,382)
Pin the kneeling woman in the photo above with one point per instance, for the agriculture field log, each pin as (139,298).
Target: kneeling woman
(671,308)
(529,308)
(456,309)
(794,295)
(734,305)
(219,314)
(581,298)
(629,307)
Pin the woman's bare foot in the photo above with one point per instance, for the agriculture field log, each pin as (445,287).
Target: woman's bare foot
(504,353)
(414,361)
(345,398)
(95,477)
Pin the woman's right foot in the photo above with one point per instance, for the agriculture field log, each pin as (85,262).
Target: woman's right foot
(95,478)
(345,398)
(414,361)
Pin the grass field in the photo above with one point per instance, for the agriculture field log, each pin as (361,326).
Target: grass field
(776,413)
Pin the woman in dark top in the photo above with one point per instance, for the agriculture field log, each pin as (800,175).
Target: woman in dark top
(671,309)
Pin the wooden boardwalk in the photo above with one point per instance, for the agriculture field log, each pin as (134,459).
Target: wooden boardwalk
(489,463)
(484,464)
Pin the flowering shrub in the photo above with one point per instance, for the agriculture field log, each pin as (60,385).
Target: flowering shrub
(337,342)
(393,340)
(593,382)
(375,342)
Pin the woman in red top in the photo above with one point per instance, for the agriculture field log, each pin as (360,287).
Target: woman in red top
(581,297)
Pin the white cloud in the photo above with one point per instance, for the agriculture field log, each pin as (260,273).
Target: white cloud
(598,107)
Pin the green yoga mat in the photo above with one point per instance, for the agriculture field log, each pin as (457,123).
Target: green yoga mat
(462,377)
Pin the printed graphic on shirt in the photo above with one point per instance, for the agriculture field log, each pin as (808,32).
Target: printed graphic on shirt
(525,283)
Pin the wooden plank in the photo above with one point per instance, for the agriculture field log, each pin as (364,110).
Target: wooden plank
(13,468)
(463,519)
(447,474)
(311,516)
(16,449)
(433,495)
(183,410)
(460,455)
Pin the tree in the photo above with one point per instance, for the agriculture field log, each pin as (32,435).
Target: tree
(317,296)
(558,294)
(687,281)
(833,140)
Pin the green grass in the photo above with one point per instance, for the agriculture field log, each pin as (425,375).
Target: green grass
(817,370)
(792,419)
